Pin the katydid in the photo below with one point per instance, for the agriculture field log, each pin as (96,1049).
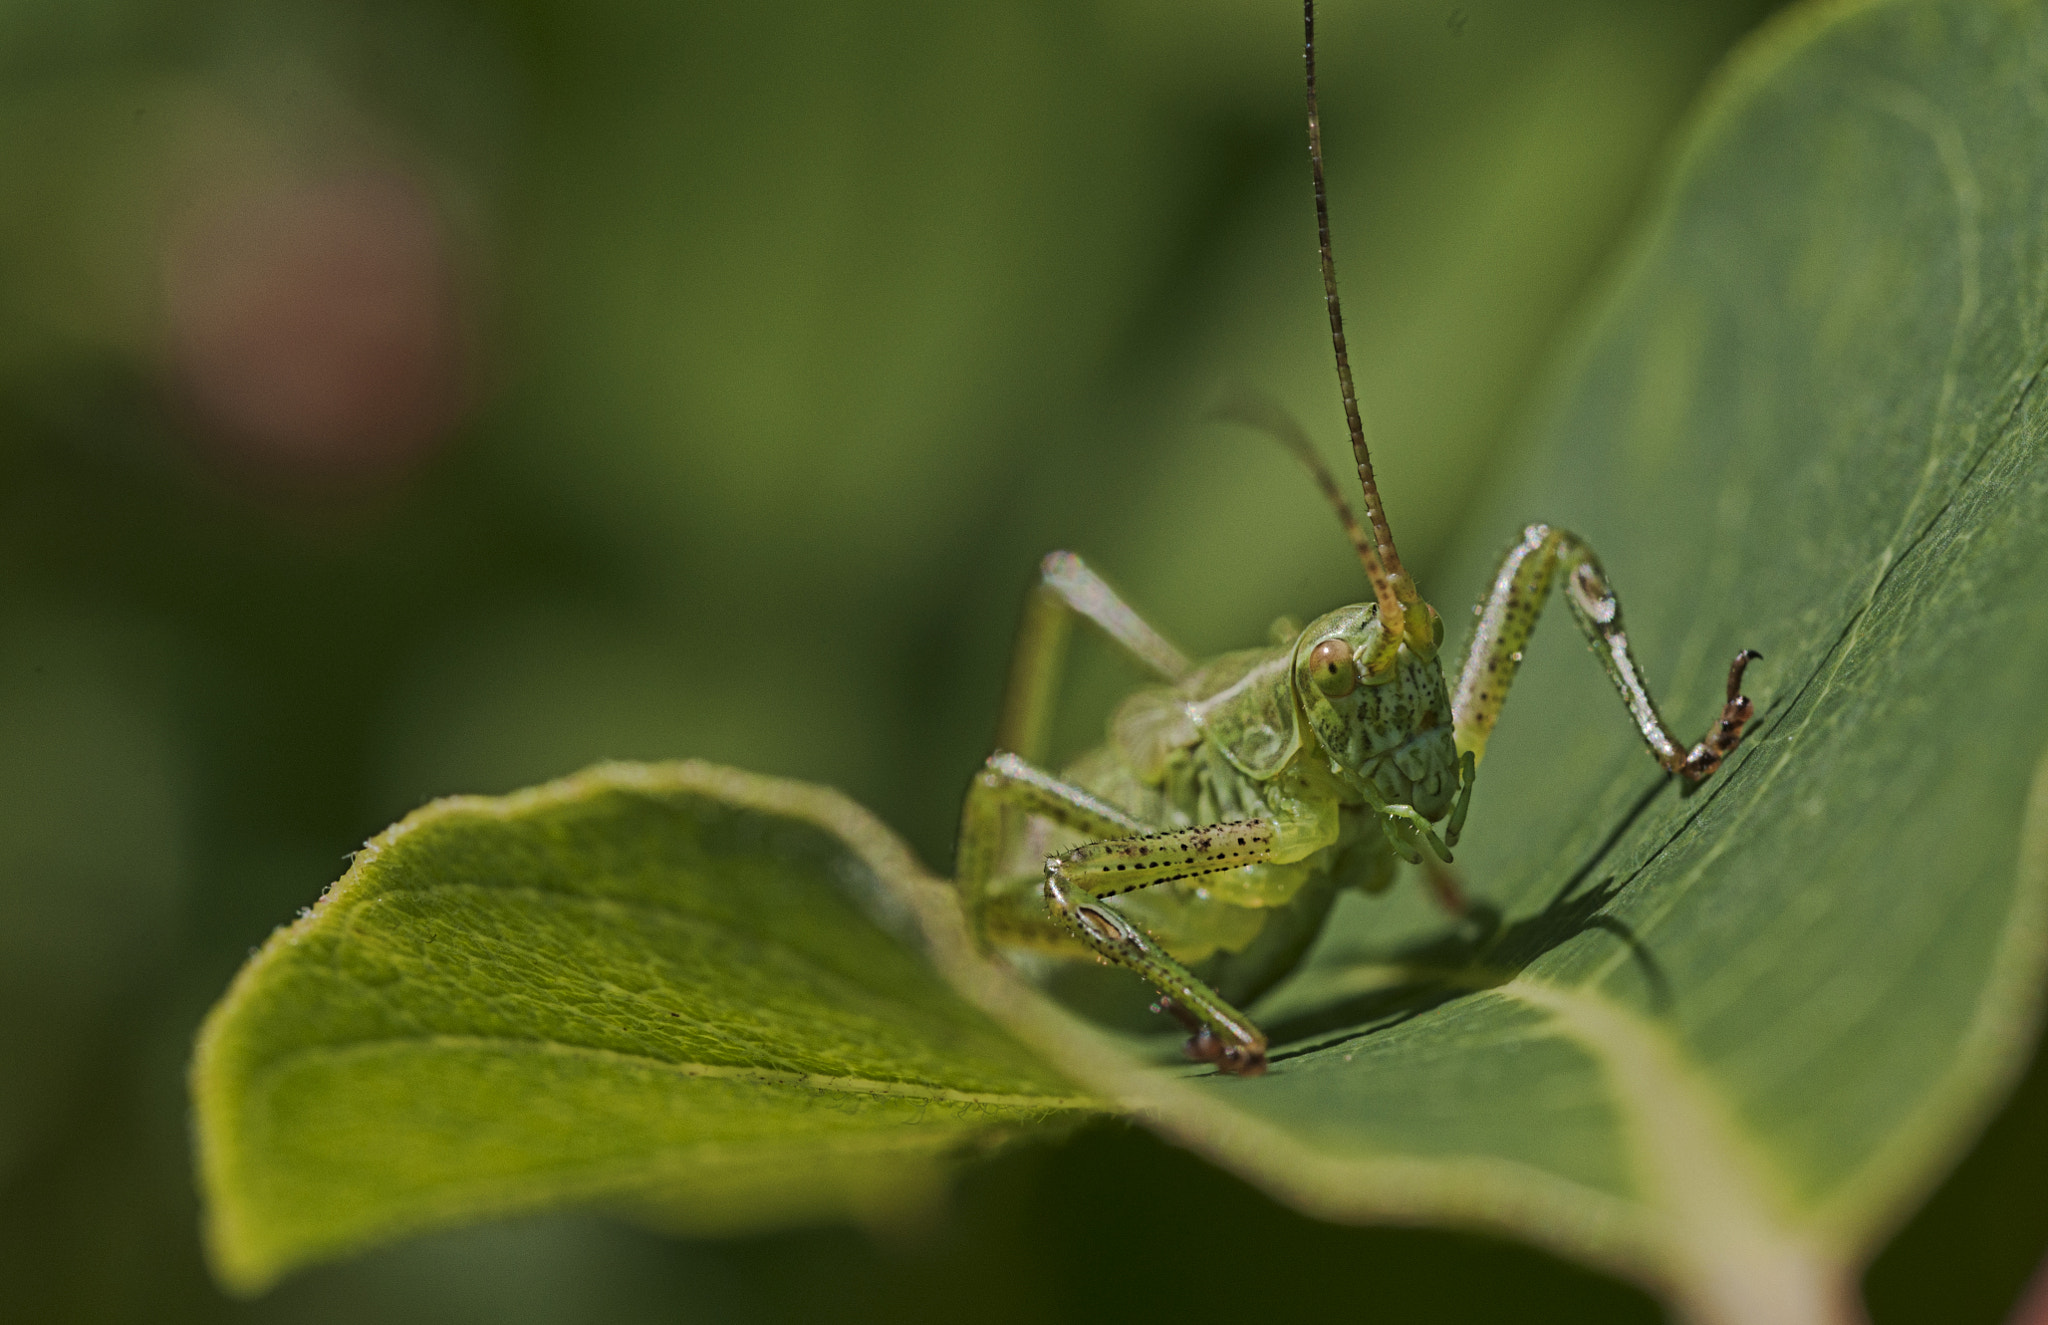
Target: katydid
(1233,802)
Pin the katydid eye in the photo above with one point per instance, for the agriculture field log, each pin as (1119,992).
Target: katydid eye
(1330,669)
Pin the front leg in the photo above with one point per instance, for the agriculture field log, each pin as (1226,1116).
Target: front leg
(1080,879)
(1520,588)
(1128,858)
(1222,1035)
(1077,883)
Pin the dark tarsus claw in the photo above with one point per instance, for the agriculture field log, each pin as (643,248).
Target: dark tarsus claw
(1205,1046)
(1235,1060)
(1243,1062)
(1720,742)
(1736,669)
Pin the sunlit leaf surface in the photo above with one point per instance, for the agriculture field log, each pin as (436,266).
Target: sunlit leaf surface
(679,988)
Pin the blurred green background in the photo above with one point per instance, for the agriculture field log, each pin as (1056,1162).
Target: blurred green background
(403,399)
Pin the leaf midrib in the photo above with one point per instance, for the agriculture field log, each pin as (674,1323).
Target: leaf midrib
(824,1084)
(1732,1249)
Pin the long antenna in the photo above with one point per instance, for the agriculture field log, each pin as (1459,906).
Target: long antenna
(1395,589)
(1262,413)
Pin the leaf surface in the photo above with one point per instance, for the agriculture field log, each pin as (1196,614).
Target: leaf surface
(673,987)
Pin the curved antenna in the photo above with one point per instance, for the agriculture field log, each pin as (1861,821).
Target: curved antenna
(1400,590)
(1261,413)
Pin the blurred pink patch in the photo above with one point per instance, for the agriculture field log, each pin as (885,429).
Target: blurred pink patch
(316,327)
(2033,1304)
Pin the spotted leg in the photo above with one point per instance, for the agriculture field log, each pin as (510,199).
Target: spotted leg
(1127,859)
(1078,884)
(1520,588)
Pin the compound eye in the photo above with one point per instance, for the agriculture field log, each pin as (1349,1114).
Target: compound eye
(1330,669)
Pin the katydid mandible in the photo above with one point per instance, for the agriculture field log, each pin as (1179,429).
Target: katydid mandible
(1233,803)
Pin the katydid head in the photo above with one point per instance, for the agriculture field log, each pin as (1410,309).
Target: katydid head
(1387,732)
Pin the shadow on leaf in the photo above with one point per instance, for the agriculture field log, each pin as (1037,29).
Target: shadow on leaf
(1480,952)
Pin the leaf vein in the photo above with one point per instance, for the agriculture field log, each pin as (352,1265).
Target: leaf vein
(763,1076)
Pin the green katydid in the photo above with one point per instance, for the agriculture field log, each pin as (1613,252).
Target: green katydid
(1232,804)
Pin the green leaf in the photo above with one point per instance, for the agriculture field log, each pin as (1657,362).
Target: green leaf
(1718,1042)
(686,990)
(1723,1042)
